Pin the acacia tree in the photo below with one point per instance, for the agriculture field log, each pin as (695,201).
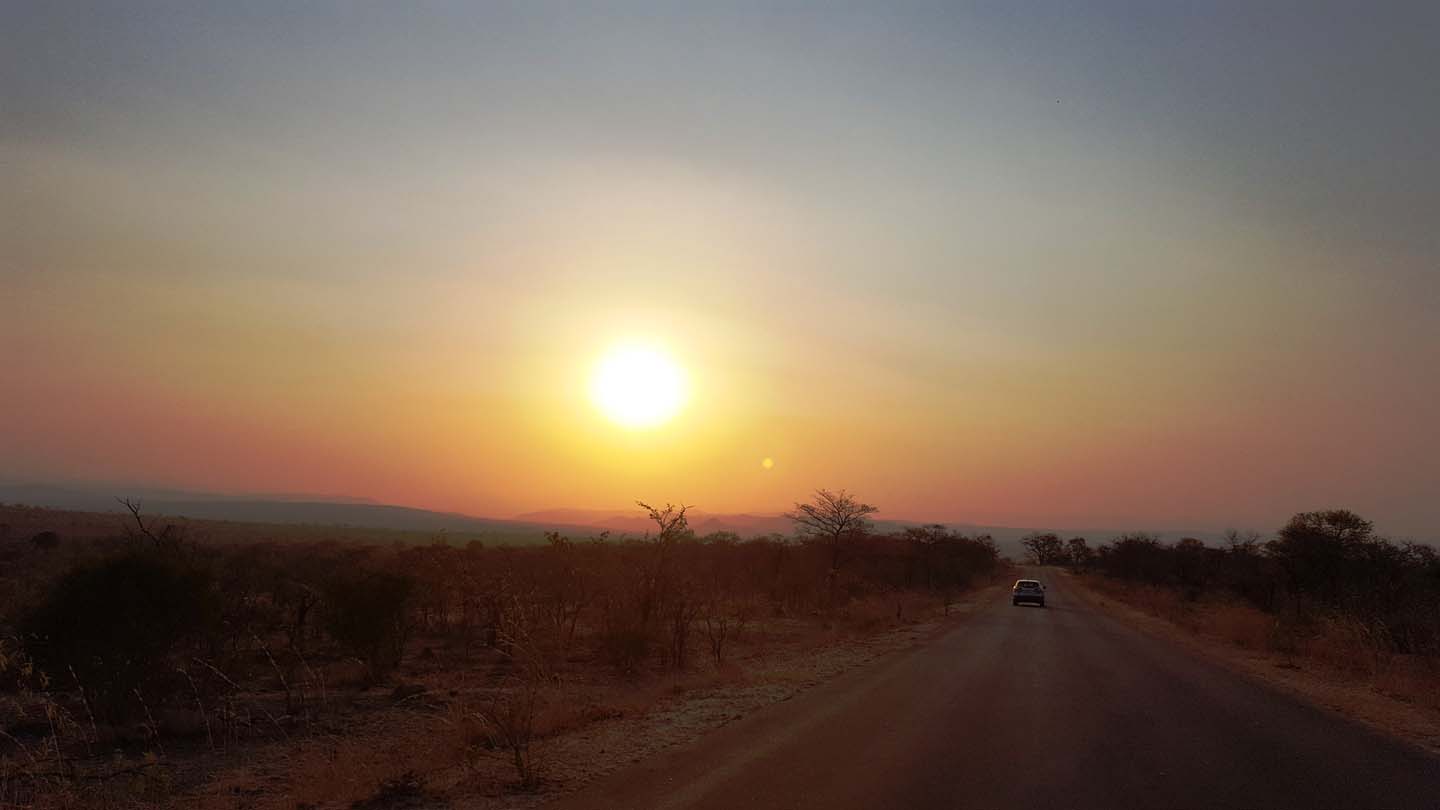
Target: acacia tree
(665,592)
(673,528)
(836,519)
(1043,549)
(1318,552)
(671,521)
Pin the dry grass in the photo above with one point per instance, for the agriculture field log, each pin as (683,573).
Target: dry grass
(277,708)
(432,748)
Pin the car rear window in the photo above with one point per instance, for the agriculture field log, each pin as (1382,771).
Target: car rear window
(1027,583)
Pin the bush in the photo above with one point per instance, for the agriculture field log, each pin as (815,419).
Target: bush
(369,615)
(625,646)
(1323,569)
(116,625)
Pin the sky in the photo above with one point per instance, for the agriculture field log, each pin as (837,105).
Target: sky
(1107,264)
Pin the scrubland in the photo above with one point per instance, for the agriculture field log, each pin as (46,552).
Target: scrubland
(154,666)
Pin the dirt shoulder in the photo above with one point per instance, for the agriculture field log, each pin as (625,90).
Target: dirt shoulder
(1361,693)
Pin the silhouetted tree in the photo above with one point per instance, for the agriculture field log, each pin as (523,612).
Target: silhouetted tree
(1043,549)
(671,522)
(1137,556)
(657,581)
(835,519)
(1314,548)
(169,537)
(1191,566)
(1327,562)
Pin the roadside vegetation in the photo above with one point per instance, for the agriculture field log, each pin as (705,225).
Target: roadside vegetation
(155,667)
(1324,594)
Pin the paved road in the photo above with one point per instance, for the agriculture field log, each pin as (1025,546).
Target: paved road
(1022,707)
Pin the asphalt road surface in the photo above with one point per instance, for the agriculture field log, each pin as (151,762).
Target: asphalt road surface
(1023,707)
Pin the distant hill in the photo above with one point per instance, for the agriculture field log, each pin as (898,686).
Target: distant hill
(101,497)
(529,527)
(271,509)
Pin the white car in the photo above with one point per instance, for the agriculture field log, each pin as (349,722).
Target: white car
(1028,590)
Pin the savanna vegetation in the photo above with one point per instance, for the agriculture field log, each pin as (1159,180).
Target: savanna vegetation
(148,667)
(1325,591)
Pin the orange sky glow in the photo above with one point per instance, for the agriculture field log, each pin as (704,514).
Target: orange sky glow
(964,285)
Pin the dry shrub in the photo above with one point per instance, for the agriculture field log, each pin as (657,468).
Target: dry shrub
(725,622)
(1346,644)
(1242,625)
(871,613)
(370,615)
(1228,619)
(1167,604)
(1164,603)
(624,645)
(679,620)
(506,723)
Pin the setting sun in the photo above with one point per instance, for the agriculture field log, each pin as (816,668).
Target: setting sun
(638,386)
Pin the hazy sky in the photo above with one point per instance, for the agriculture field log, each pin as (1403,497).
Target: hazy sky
(1152,263)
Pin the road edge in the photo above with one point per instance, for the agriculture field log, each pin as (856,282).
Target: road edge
(584,796)
(1391,717)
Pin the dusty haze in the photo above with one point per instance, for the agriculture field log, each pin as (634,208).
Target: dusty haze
(1120,265)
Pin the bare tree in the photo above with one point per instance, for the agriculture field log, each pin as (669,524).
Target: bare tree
(724,620)
(835,519)
(566,588)
(656,586)
(508,715)
(1043,549)
(682,609)
(1078,550)
(1246,542)
(168,537)
(670,520)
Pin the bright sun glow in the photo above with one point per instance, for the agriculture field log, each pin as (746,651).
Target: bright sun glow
(638,386)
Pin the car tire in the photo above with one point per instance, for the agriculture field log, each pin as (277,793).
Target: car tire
(1015,602)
